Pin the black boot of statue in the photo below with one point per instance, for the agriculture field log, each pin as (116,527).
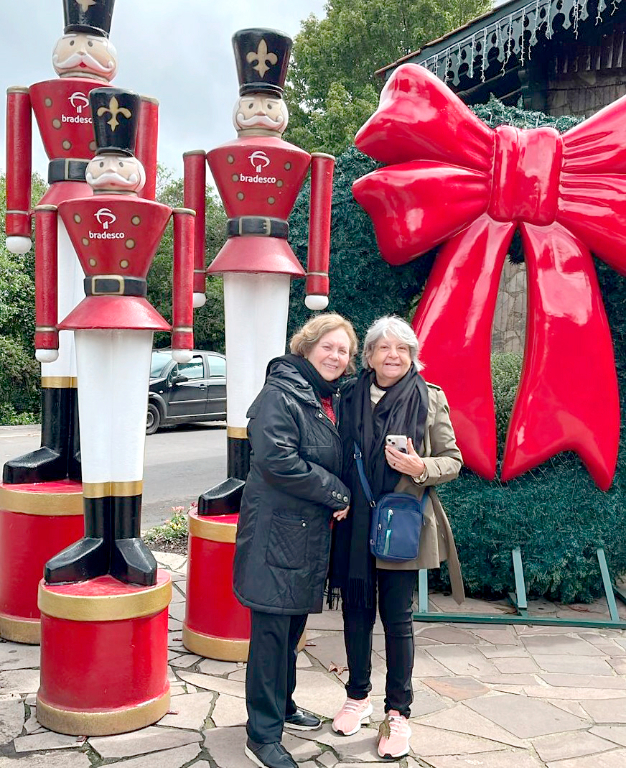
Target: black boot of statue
(89,557)
(50,462)
(131,560)
(74,470)
(225,498)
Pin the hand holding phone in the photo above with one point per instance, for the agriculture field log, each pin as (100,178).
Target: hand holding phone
(399,442)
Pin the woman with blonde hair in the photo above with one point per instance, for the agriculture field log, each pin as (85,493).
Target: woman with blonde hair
(292,493)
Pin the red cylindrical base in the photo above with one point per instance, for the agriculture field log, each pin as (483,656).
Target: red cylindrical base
(36,522)
(216,624)
(103,656)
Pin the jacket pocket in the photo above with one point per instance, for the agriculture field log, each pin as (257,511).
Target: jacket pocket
(287,542)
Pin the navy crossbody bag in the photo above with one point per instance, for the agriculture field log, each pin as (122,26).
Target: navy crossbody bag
(396,522)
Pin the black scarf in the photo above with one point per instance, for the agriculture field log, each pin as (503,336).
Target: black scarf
(401,411)
(310,374)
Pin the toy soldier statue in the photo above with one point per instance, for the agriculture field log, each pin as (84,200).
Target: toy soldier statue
(116,234)
(84,59)
(258,176)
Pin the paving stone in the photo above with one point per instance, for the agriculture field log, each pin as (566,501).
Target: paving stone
(211,683)
(142,742)
(523,718)
(607,645)
(571,694)
(518,681)
(16,656)
(20,681)
(462,660)
(460,719)
(486,760)
(329,650)
(503,651)
(570,706)
(615,759)
(218,668)
(240,675)
(173,624)
(170,758)
(498,635)
(225,745)
(584,681)
(557,645)
(32,725)
(457,688)
(425,702)
(171,560)
(428,742)
(426,666)
(614,733)
(185,661)
(301,750)
(46,740)
(50,760)
(618,664)
(328,759)
(360,747)
(177,611)
(11,720)
(319,693)
(303,661)
(606,711)
(515,666)
(191,710)
(177,597)
(572,665)
(575,745)
(449,635)
(378,759)
(177,690)
(326,620)
(229,711)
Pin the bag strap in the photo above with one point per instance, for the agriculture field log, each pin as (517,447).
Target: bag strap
(358,457)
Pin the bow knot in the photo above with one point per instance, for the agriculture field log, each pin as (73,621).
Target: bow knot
(526,174)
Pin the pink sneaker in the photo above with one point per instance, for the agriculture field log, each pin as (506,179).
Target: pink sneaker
(350,717)
(393,736)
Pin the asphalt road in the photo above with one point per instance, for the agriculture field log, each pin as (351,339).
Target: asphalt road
(181,462)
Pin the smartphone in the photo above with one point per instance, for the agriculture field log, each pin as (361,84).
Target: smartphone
(399,442)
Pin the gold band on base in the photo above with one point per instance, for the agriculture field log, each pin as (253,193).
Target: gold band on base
(20,630)
(241,433)
(211,529)
(26,502)
(106,723)
(221,648)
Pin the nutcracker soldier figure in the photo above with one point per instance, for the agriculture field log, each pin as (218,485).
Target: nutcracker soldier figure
(115,234)
(258,176)
(84,59)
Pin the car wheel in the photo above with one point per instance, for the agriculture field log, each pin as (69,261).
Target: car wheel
(153,421)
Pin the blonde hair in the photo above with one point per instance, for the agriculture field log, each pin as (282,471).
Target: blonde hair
(307,337)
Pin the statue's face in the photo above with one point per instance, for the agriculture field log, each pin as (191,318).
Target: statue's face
(258,110)
(80,54)
(115,173)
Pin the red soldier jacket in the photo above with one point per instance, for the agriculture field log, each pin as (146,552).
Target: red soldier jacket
(115,237)
(63,114)
(259,179)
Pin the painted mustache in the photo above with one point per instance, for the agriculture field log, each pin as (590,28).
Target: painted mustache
(75,59)
(110,176)
(259,120)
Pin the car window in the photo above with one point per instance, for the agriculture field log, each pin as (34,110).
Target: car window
(193,369)
(217,366)
(159,361)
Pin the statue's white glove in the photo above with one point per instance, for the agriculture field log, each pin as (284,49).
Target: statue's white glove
(18,244)
(47,355)
(182,355)
(199,300)
(316,302)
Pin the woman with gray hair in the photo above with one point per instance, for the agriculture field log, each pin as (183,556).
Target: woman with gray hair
(390,397)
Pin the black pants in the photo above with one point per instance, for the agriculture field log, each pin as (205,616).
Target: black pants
(271,674)
(395,603)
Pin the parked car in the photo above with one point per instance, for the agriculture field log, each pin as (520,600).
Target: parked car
(186,392)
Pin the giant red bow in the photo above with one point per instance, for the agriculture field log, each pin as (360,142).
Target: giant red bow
(453,180)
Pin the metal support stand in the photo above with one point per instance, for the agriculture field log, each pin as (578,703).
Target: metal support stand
(519,601)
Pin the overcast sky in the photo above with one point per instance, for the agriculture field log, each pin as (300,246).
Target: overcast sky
(178,51)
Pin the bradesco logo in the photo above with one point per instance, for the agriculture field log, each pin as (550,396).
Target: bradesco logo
(80,102)
(105,217)
(259,161)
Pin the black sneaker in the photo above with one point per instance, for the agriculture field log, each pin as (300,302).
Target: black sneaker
(301,720)
(269,755)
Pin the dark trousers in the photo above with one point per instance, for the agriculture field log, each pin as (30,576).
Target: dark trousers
(271,674)
(395,603)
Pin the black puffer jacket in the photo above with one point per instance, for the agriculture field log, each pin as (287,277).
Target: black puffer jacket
(283,535)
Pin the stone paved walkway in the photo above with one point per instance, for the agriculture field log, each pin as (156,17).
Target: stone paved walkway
(485,697)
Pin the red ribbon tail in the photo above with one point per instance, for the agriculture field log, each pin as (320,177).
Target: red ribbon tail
(453,324)
(568,398)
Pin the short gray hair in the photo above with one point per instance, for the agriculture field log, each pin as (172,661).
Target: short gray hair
(387,326)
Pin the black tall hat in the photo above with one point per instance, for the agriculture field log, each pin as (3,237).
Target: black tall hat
(262,57)
(90,16)
(115,119)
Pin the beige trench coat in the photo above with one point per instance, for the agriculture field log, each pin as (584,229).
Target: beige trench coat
(443,461)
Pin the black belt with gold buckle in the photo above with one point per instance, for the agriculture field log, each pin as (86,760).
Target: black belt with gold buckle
(115,285)
(257,225)
(66,170)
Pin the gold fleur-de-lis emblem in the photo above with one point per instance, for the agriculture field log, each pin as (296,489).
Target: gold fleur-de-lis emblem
(85,4)
(262,57)
(114,110)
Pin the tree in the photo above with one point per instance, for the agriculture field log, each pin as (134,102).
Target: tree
(333,88)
